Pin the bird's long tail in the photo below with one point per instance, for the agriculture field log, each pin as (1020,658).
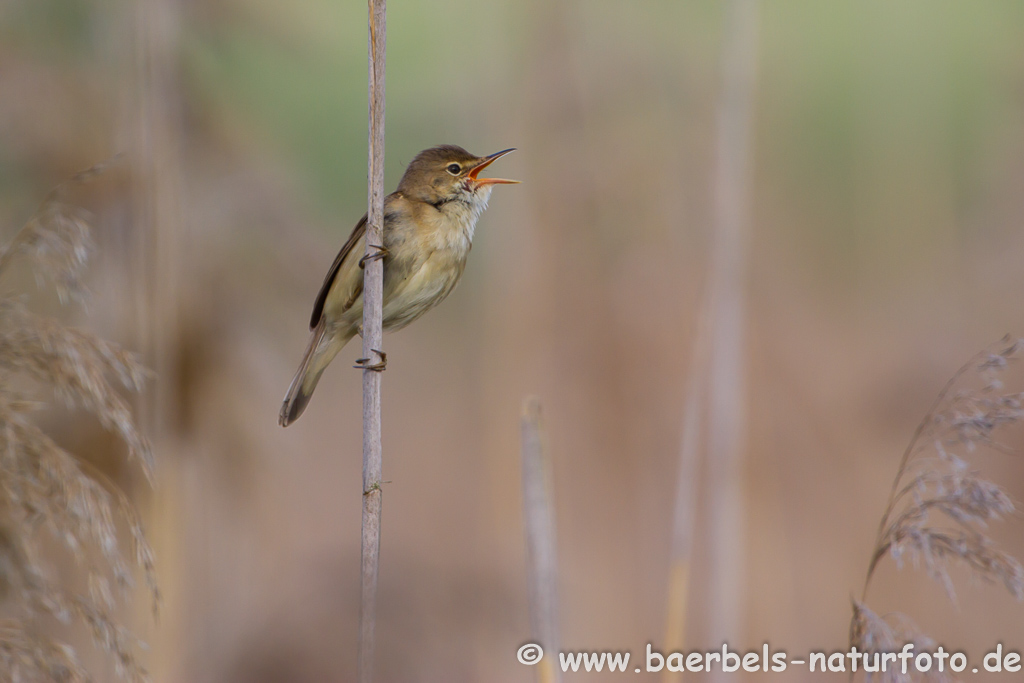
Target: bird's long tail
(321,351)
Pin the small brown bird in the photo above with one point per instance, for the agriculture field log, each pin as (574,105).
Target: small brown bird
(428,232)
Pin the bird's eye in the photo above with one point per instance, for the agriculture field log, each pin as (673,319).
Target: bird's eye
(454,169)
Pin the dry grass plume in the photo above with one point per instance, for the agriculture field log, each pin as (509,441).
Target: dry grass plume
(939,507)
(45,490)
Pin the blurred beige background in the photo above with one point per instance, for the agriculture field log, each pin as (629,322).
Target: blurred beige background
(886,248)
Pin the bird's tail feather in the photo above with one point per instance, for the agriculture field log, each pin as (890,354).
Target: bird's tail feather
(321,351)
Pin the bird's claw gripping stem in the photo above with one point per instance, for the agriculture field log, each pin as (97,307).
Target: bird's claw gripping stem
(379,253)
(380,366)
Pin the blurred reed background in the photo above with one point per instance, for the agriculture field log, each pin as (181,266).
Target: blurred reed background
(885,215)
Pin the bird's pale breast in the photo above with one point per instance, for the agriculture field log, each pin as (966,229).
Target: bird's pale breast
(427,248)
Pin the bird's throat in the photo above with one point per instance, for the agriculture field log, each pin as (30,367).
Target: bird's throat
(460,214)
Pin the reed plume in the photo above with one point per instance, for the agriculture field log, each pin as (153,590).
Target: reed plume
(48,493)
(939,507)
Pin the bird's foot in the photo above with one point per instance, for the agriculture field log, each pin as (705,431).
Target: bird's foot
(379,366)
(379,253)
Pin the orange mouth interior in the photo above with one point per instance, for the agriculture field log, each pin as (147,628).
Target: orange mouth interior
(472,175)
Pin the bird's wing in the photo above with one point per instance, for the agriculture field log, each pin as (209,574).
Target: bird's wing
(332,274)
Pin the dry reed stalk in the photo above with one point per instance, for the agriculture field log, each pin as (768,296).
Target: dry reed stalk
(157,178)
(158,262)
(46,490)
(683,519)
(939,508)
(373,295)
(539,520)
(726,394)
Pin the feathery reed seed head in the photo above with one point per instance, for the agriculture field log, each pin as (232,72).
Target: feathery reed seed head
(939,508)
(45,489)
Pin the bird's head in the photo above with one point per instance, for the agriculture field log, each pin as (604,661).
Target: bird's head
(449,173)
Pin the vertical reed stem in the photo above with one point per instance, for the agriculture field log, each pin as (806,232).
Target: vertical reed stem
(684,517)
(726,392)
(373,294)
(539,519)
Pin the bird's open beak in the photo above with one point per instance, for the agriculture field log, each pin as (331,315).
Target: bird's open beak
(487,161)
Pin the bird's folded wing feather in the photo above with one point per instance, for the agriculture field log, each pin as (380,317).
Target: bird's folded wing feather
(352,275)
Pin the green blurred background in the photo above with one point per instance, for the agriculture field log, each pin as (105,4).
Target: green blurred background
(886,225)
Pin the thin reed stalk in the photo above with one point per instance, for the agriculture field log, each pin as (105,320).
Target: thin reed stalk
(373,295)
(539,520)
(684,517)
(157,196)
(726,393)
(158,255)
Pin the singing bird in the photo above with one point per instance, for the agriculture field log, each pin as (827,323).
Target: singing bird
(428,232)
